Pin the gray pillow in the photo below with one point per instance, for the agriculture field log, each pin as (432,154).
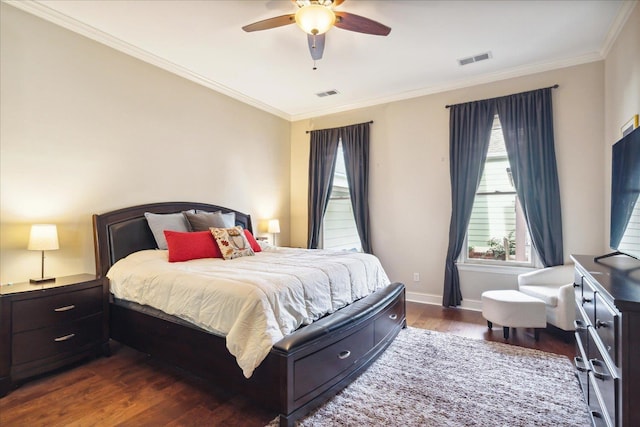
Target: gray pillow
(202,221)
(160,222)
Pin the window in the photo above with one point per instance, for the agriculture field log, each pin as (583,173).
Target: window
(497,232)
(339,225)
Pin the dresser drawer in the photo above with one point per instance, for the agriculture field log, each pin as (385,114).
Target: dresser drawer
(581,324)
(606,324)
(599,414)
(44,311)
(582,365)
(588,300)
(577,285)
(388,321)
(329,362)
(56,340)
(605,378)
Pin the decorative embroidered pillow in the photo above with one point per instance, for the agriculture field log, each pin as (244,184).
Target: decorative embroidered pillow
(232,242)
(187,246)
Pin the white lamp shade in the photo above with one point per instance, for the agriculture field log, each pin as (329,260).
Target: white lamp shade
(274,226)
(315,19)
(43,237)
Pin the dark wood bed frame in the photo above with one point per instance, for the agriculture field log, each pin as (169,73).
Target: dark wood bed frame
(302,371)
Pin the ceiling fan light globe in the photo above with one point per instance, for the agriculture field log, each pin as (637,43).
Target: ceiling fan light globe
(315,19)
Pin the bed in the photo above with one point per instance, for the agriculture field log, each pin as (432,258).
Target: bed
(301,371)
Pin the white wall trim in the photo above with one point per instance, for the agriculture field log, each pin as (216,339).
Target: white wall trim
(473,305)
(494,269)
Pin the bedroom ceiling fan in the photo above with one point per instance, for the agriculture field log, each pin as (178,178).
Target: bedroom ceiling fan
(316,17)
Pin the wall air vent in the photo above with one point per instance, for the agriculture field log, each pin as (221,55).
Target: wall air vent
(327,93)
(475,58)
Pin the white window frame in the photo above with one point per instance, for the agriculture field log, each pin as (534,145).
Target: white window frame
(340,155)
(518,266)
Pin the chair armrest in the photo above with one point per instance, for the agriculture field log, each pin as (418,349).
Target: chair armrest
(556,275)
(566,309)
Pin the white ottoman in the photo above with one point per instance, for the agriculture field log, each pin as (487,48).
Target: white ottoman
(513,309)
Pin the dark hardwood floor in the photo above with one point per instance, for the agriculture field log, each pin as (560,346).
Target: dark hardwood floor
(128,388)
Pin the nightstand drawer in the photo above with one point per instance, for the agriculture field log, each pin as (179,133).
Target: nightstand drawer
(40,312)
(56,340)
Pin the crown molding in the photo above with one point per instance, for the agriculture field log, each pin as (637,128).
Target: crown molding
(42,11)
(616,26)
(461,84)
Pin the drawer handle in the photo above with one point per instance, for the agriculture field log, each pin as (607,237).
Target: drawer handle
(584,299)
(601,375)
(579,325)
(393,316)
(576,285)
(64,338)
(65,308)
(344,354)
(601,324)
(580,365)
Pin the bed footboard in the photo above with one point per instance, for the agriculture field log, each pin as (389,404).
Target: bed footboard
(323,358)
(302,371)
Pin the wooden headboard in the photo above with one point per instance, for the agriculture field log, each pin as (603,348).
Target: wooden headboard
(119,233)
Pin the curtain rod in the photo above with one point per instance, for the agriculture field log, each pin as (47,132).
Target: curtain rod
(370,121)
(555,86)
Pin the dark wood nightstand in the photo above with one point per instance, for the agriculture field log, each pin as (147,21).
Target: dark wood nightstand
(46,326)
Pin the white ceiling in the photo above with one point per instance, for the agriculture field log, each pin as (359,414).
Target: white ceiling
(272,69)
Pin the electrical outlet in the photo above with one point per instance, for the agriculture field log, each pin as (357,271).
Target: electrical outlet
(416,277)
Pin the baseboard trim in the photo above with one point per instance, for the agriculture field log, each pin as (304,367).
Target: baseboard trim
(433,299)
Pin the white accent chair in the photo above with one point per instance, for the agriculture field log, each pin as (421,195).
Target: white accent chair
(554,286)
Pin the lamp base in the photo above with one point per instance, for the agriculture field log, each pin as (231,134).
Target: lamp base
(40,280)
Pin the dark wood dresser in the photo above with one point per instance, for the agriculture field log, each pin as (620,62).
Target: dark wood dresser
(608,337)
(49,325)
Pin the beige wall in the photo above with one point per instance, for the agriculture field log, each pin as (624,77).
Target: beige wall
(86,129)
(622,95)
(410,191)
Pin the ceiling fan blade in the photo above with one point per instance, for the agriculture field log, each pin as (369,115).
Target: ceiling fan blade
(267,24)
(360,24)
(337,3)
(316,46)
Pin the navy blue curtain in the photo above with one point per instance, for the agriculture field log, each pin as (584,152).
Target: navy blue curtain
(469,134)
(355,145)
(322,165)
(527,126)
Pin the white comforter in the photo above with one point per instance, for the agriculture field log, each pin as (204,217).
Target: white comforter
(254,301)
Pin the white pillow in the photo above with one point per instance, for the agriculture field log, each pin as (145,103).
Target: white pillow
(160,222)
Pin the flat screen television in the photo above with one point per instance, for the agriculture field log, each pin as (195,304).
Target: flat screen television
(625,195)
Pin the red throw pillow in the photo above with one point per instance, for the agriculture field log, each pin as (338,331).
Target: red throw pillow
(252,241)
(186,246)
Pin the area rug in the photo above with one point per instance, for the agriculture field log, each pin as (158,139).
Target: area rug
(427,378)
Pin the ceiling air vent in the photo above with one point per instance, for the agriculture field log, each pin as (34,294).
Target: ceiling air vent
(474,58)
(327,93)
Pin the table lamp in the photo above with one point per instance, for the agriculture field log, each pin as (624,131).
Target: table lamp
(274,228)
(43,237)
